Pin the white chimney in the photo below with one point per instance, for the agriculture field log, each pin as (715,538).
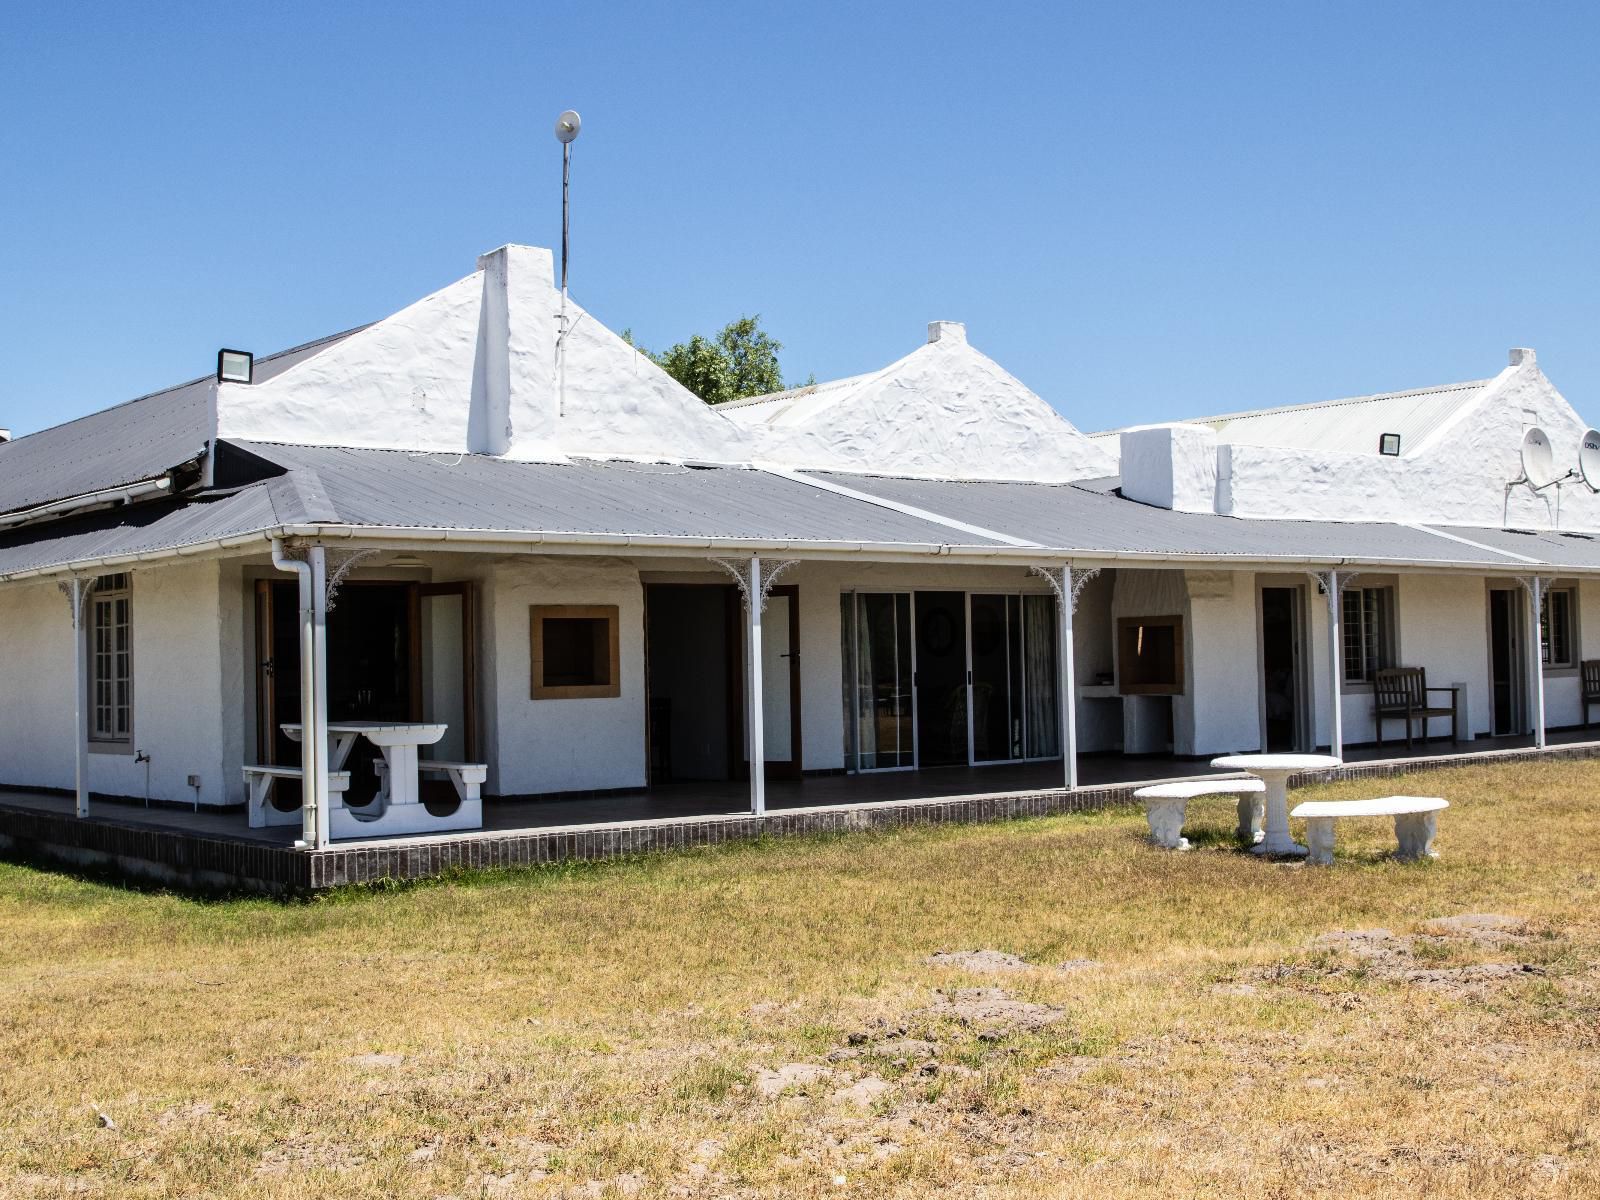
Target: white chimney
(1171,466)
(947,331)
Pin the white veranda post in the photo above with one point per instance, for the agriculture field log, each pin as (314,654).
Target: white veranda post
(1535,587)
(1067,583)
(1331,582)
(754,588)
(1335,670)
(318,783)
(755,600)
(78,593)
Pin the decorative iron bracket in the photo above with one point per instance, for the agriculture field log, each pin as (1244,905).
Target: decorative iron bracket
(78,610)
(1066,582)
(340,564)
(1325,579)
(741,576)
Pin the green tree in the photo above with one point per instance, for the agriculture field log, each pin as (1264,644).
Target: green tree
(741,361)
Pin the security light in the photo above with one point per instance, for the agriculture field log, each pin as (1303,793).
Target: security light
(1389,443)
(235,366)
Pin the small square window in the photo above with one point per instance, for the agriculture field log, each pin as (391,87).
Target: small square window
(575,652)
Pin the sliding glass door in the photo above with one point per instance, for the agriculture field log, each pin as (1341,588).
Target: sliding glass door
(1014,677)
(949,678)
(880,727)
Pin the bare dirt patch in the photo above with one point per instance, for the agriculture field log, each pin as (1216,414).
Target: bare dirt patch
(994,1013)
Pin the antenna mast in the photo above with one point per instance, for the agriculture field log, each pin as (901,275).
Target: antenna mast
(567,126)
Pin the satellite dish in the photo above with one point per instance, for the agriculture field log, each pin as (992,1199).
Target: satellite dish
(1589,459)
(567,126)
(1538,463)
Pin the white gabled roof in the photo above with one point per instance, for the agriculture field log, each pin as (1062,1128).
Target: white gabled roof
(944,411)
(1352,425)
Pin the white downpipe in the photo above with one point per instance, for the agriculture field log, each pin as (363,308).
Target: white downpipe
(1536,627)
(1335,670)
(758,740)
(312,750)
(80,713)
(319,663)
(1069,681)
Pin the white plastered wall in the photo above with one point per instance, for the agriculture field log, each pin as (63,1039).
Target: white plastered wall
(1457,475)
(539,746)
(180,689)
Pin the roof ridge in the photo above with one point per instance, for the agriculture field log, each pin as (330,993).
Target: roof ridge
(1337,402)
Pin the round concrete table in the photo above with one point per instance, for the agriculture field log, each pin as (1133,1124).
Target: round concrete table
(1274,771)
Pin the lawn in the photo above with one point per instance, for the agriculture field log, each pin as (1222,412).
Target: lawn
(764,1021)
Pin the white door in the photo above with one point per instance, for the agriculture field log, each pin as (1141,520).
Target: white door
(777,666)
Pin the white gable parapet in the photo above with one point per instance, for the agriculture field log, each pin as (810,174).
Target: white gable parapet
(945,411)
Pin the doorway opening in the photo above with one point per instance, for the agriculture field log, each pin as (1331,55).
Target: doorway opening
(1507,662)
(1285,712)
(695,657)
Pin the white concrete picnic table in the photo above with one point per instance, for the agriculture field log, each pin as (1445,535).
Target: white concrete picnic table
(399,741)
(1274,771)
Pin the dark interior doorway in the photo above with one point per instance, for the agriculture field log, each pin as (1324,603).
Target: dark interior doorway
(1280,668)
(941,678)
(1505,661)
(696,729)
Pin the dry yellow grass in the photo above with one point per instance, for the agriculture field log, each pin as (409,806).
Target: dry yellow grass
(603,1031)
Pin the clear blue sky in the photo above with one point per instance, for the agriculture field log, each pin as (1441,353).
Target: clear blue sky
(1144,211)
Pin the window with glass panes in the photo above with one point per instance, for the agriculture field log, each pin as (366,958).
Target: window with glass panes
(1368,632)
(1556,642)
(111,660)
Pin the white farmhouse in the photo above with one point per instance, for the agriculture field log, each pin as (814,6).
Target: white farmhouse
(513,581)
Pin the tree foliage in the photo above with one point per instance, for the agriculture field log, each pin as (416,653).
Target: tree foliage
(740,361)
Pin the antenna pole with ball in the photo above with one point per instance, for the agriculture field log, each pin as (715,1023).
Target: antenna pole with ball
(567,126)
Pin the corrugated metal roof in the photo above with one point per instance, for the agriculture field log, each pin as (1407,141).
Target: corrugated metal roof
(384,488)
(473,491)
(756,410)
(1353,424)
(138,529)
(1079,520)
(139,439)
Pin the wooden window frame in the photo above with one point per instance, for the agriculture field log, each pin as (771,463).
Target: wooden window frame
(1547,632)
(106,592)
(538,614)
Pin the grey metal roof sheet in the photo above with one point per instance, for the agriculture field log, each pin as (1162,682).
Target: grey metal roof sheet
(1072,518)
(1552,547)
(137,440)
(479,492)
(139,529)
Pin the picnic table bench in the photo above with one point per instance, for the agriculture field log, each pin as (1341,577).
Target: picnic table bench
(1416,821)
(261,780)
(1166,804)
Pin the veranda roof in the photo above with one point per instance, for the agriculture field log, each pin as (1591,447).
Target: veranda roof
(304,490)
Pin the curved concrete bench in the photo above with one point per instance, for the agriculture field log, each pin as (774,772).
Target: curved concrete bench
(1416,821)
(1166,804)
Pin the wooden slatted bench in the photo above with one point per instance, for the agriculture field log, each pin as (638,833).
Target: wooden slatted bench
(1166,805)
(1401,694)
(1416,821)
(1591,687)
(261,778)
